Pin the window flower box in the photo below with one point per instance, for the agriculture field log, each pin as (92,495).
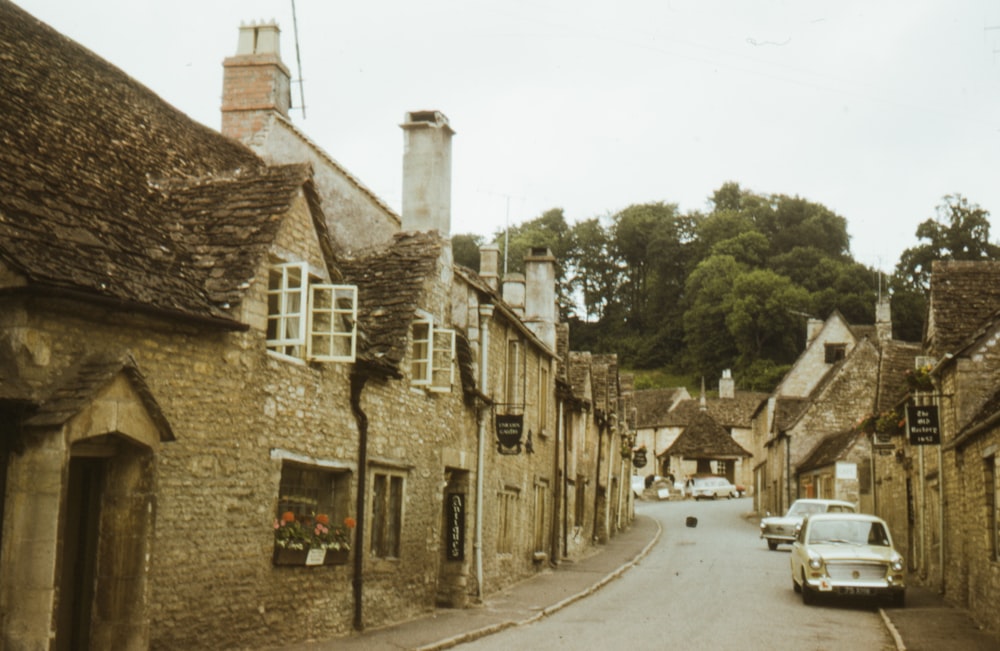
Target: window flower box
(311,540)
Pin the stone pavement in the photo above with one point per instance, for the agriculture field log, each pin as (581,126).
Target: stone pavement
(927,623)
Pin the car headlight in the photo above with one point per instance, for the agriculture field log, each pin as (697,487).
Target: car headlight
(897,564)
(815,561)
(763,525)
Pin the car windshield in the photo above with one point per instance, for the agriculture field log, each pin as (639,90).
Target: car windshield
(802,509)
(854,532)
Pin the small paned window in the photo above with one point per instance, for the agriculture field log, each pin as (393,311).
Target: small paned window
(581,501)
(308,319)
(432,355)
(507,509)
(543,396)
(541,511)
(513,373)
(387,515)
(309,496)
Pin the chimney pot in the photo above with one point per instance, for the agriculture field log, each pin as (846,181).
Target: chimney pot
(427,172)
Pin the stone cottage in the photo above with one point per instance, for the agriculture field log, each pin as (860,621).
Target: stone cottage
(243,401)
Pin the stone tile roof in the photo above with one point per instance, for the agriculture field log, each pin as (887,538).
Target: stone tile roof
(831,449)
(728,412)
(84,207)
(80,386)
(391,282)
(986,418)
(896,359)
(653,406)
(964,294)
(788,411)
(705,438)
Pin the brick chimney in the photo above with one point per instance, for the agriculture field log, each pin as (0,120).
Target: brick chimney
(540,312)
(255,82)
(427,172)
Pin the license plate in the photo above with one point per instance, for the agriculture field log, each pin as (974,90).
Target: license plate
(856,591)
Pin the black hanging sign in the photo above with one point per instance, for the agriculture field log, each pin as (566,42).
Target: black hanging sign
(455,512)
(639,458)
(510,427)
(922,425)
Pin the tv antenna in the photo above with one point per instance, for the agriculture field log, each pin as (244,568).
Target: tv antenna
(298,61)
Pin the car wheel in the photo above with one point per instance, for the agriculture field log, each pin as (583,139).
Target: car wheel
(772,545)
(808,596)
(796,587)
(899,599)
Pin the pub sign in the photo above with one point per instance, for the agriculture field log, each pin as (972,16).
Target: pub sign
(509,427)
(922,425)
(639,458)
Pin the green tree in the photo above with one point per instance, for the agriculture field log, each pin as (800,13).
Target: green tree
(960,232)
(593,274)
(709,346)
(762,318)
(465,249)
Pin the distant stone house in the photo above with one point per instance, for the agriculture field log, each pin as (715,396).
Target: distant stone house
(664,414)
(705,447)
(827,390)
(196,341)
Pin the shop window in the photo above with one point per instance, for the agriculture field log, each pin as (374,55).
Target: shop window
(309,319)
(313,495)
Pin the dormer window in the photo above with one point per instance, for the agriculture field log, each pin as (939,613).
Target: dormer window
(309,319)
(433,355)
(835,353)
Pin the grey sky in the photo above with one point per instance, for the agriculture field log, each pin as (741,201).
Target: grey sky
(874,109)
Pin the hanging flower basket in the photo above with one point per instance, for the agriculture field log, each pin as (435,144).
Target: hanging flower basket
(919,379)
(311,540)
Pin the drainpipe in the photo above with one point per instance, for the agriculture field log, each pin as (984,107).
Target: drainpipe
(557,498)
(358,381)
(565,481)
(485,314)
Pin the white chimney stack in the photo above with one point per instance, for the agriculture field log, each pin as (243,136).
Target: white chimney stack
(427,172)
(540,312)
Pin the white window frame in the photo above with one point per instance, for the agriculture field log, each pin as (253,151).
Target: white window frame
(339,305)
(298,332)
(290,329)
(433,358)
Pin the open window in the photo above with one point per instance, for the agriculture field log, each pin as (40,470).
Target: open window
(308,319)
(433,355)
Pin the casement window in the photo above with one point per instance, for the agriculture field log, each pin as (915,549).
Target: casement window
(432,355)
(541,512)
(387,514)
(833,353)
(515,354)
(506,513)
(308,319)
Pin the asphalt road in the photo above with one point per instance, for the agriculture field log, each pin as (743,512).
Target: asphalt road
(712,586)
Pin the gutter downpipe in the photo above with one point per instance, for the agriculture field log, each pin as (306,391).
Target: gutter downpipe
(565,479)
(485,314)
(358,381)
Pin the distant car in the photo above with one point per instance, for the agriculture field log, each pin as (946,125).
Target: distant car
(709,488)
(783,529)
(847,554)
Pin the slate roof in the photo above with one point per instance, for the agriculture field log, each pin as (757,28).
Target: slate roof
(110,193)
(391,284)
(705,438)
(80,386)
(831,449)
(964,294)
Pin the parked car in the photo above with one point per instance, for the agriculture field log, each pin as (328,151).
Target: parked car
(848,554)
(709,488)
(783,529)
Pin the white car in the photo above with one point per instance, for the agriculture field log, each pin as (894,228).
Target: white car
(847,554)
(710,488)
(783,529)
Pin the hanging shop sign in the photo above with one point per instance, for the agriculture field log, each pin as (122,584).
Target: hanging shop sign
(456,526)
(639,458)
(922,425)
(510,428)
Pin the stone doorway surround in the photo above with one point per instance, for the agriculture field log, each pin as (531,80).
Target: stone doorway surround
(102,418)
